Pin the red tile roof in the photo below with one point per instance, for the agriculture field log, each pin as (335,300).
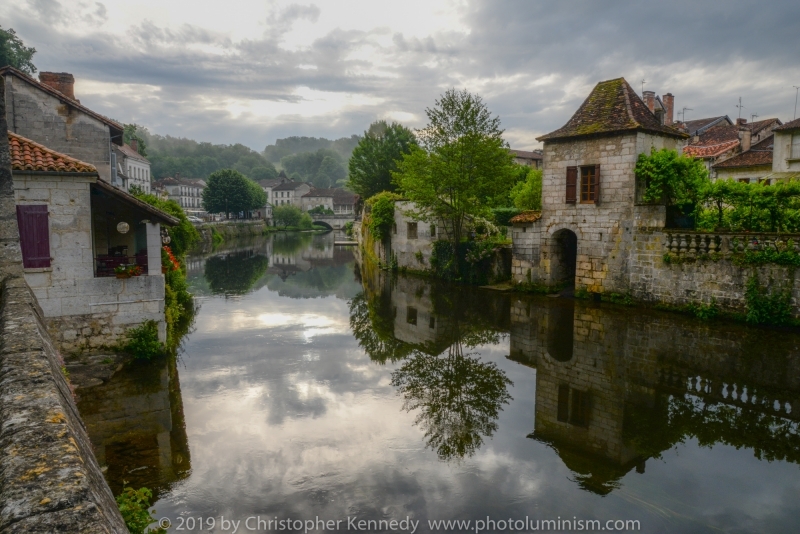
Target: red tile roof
(612,107)
(526,217)
(131,153)
(525,154)
(758,155)
(757,126)
(708,151)
(27,155)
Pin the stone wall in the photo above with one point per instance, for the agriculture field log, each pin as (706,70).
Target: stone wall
(232,229)
(49,478)
(43,118)
(411,252)
(782,158)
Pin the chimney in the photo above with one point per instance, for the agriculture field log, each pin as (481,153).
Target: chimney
(649,98)
(177,176)
(669,106)
(740,121)
(62,82)
(135,145)
(745,136)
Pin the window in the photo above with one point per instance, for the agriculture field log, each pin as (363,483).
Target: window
(796,146)
(433,230)
(589,184)
(411,316)
(432,322)
(575,412)
(34,234)
(394,228)
(412,230)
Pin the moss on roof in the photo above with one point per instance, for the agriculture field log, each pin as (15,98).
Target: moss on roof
(612,107)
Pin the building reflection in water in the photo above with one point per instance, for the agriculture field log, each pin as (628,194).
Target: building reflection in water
(614,386)
(136,424)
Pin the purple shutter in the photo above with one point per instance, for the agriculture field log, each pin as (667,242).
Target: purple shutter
(34,236)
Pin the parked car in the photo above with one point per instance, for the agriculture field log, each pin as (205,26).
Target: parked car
(195,220)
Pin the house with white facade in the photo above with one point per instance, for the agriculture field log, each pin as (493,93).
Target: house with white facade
(290,192)
(187,192)
(134,167)
(75,229)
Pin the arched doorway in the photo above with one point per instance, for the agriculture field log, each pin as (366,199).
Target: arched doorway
(564,257)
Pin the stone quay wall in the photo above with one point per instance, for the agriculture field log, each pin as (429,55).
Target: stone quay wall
(232,229)
(49,478)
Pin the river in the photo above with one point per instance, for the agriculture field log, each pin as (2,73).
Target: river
(312,387)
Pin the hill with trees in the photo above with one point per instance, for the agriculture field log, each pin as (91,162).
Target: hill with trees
(295,145)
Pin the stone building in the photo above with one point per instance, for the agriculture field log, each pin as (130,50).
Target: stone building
(786,155)
(752,165)
(47,112)
(339,201)
(289,192)
(591,202)
(187,192)
(718,139)
(74,230)
(529,158)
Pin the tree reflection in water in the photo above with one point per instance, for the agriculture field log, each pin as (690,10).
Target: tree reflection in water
(458,396)
(235,273)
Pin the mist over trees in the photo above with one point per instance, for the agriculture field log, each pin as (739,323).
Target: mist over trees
(295,145)
(324,168)
(192,159)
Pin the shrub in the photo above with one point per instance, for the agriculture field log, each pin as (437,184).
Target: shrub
(527,194)
(306,222)
(287,215)
(133,505)
(502,216)
(765,306)
(348,229)
(381,214)
(143,341)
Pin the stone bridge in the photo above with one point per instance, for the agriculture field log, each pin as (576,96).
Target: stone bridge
(333,222)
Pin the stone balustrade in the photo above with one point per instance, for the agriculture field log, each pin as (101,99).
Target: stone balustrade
(697,244)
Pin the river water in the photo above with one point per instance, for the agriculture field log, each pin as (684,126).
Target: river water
(312,387)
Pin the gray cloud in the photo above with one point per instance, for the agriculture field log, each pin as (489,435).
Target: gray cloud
(533,63)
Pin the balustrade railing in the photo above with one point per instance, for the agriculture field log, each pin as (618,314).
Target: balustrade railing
(697,244)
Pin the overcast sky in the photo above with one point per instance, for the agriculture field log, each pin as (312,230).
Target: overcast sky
(251,71)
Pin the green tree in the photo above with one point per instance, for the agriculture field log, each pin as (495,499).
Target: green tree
(14,52)
(229,191)
(527,193)
(330,171)
(376,157)
(134,132)
(462,168)
(263,172)
(287,215)
(305,222)
(670,178)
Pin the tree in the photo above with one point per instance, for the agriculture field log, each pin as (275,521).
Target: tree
(462,167)
(376,157)
(330,171)
(14,52)
(527,193)
(305,222)
(287,215)
(670,178)
(262,172)
(230,191)
(134,132)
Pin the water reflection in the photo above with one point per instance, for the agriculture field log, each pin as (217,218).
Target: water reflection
(235,273)
(136,424)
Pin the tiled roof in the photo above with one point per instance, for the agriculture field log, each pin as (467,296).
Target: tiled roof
(340,196)
(710,151)
(524,154)
(612,107)
(759,154)
(526,217)
(27,155)
(757,126)
(791,125)
(61,96)
(319,193)
(702,124)
(269,183)
(131,153)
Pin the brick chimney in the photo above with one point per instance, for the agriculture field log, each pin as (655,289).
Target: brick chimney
(740,121)
(135,145)
(669,107)
(745,137)
(649,98)
(63,82)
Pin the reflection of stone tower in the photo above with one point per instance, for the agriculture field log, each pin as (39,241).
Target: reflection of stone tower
(136,424)
(415,321)
(580,389)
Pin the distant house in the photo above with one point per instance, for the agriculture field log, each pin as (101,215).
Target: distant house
(187,192)
(290,192)
(717,139)
(74,230)
(752,165)
(339,201)
(531,159)
(133,166)
(786,152)
(47,112)
(267,186)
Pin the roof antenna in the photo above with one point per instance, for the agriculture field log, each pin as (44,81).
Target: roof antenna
(753,117)
(682,113)
(796,89)
(740,106)
(643,82)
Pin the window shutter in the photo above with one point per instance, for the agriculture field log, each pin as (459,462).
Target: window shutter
(572,185)
(597,184)
(34,234)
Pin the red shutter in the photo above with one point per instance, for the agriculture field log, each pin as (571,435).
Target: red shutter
(597,184)
(572,185)
(34,236)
